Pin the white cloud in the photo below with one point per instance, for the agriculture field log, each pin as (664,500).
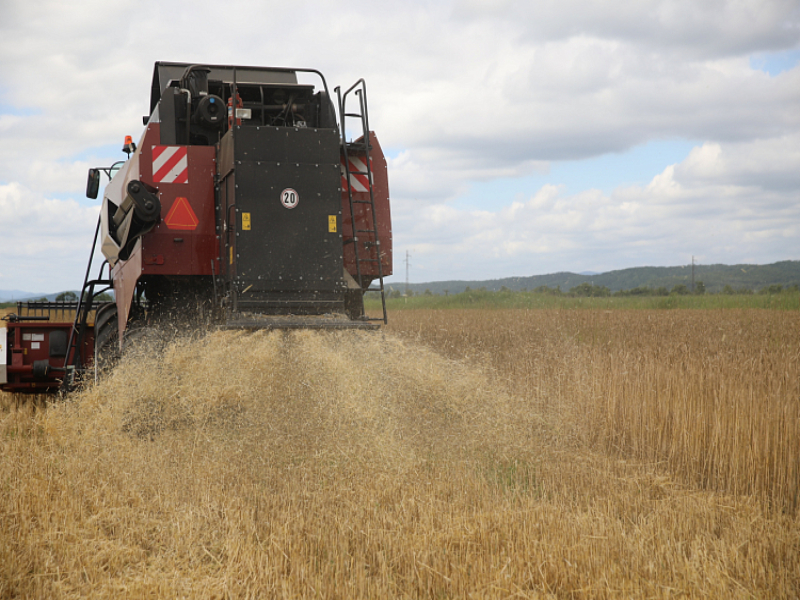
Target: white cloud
(770,164)
(700,29)
(45,243)
(692,208)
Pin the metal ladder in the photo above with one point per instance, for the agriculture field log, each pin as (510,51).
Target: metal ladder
(362,238)
(85,305)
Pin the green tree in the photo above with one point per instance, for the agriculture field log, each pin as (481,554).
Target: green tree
(583,290)
(728,290)
(67,297)
(640,291)
(699,288)
(587,290)
(771,289)
(680,290)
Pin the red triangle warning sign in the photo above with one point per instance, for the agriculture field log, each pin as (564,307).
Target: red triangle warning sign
(181,215)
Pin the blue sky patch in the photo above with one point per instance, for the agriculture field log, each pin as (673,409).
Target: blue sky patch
(775,63)
(392,152)
(637,166)
(19,111)
(101,156)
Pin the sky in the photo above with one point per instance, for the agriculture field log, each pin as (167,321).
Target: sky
(522,138)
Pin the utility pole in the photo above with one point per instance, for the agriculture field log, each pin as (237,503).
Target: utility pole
(407,265)
(693,274)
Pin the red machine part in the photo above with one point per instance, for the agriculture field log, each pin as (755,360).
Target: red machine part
(184,242)
(34,355)
(363,214)
(239,104)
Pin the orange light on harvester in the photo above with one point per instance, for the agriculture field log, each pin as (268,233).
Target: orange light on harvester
(129,146)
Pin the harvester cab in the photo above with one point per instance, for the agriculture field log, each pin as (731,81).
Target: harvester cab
(246,203)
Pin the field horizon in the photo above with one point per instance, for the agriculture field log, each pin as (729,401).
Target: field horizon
(714,277)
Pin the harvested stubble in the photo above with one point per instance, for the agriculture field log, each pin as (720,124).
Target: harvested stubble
(354,465)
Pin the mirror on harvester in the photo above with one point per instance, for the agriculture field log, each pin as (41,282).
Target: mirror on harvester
(93,183)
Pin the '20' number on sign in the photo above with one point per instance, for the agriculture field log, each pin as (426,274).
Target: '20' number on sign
(289,198)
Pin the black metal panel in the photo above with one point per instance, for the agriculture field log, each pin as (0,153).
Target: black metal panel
(58,343)
(168,117)
(297,145)
(294,252)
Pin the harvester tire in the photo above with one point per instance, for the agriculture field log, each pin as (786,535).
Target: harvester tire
(106,342)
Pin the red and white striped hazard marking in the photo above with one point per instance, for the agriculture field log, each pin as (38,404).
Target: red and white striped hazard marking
(170,164)
(359,182)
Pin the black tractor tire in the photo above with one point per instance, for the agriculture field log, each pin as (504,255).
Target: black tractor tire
(106,340)
(105,311)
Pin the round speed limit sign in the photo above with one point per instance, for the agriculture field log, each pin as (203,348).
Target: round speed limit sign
(289,198)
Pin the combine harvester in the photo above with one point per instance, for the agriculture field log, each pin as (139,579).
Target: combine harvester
(243,206)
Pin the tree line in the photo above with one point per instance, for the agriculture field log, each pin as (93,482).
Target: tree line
(588,290)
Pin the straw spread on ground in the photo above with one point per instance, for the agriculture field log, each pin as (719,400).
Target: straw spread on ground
(354,464)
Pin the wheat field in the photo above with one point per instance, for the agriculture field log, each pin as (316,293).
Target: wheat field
(456,454)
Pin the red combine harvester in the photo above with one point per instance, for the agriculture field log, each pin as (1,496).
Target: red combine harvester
(244,205)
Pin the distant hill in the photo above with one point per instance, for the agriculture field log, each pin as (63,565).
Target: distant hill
(714,277)
(20,296)
(14,295)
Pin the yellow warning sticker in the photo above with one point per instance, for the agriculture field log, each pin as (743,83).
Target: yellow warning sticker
(331,223)
(231,254)
(245,221)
